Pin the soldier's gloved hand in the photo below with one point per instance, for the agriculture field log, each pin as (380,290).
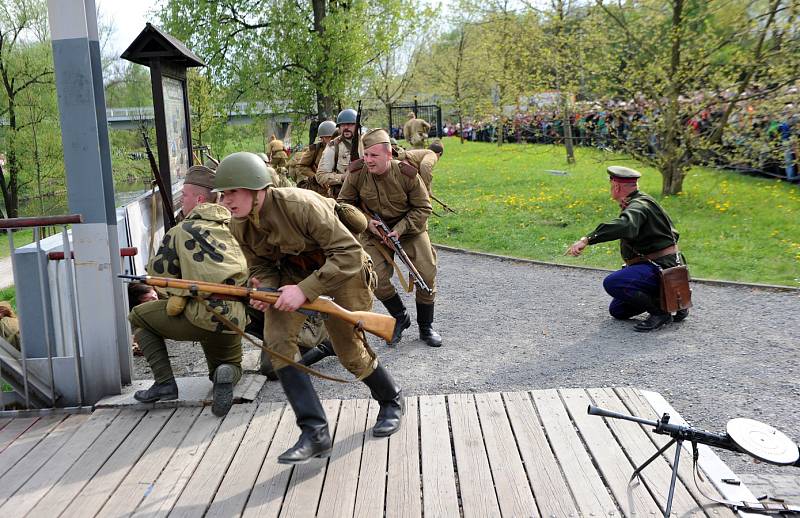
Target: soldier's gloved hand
(175,305)
(408,169)
(355,165)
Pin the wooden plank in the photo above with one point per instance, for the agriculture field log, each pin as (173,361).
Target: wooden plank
(715,469)
(266,497)
(55,468)
(638,405)
(17,476)
(177,473)
(14,429)
(587,487)
(478,496)
(439,493)
(141,478)
(639,448)
(26,441)
(243,471)
(372,474)
(544,474)
(94,494)
(403,491)
(513,491)
(88,465)
(205,480)
(302,498)
(341,482)
(609,456)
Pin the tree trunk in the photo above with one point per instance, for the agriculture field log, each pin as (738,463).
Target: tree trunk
(568,138)
(671,164)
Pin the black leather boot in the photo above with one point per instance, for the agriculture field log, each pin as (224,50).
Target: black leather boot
(425,323)
(158,392)
(315,354)
(680,315)
(657,318)
(397,309)
(225,377)
(315,440)
(390,398)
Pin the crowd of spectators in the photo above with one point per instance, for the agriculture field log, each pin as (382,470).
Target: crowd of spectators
(761,136)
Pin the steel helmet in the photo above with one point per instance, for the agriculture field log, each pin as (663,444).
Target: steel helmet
(242,170)
(327,128)
(347,116)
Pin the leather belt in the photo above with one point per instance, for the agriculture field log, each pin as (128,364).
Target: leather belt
(670,250)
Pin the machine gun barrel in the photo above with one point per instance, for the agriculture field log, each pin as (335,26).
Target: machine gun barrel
(676,431)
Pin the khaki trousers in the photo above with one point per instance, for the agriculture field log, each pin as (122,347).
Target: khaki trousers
(153,325)
(422,254)
(282,328)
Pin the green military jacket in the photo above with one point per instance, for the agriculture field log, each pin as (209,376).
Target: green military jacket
(201,247)
(298,222)
(401,202)
(643,227)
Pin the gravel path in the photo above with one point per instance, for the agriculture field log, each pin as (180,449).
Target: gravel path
(513,325)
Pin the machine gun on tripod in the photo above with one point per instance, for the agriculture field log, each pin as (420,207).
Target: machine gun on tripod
(754,438)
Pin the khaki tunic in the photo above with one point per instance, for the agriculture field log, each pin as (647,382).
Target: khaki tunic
(424,160)
(332,166)
(277,154)
(299,240)
(416,132)
(306,168)
(404,206)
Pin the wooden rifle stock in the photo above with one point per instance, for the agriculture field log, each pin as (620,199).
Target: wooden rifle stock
(375,323)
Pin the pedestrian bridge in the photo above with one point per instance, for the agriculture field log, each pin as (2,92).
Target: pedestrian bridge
(512,454)
(239,114)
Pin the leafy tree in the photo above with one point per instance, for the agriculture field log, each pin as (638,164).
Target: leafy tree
(309,55)
(25,63)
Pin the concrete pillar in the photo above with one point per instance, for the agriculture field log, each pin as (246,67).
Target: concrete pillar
(88,192)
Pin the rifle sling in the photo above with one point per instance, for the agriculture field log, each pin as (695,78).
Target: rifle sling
(233,327)
(407,285)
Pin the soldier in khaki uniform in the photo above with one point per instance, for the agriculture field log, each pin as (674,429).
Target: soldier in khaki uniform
(294,241)
(277,153)
(201,248)
(9,324)
(335,161)
(416,131)
(403,203)
(279,175)
(424,160)
(306,168)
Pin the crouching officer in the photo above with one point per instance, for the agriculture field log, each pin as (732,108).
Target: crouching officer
(648,242)
(402,202)
(294,241)
(200,248)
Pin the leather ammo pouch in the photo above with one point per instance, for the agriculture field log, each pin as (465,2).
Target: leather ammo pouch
(675,291)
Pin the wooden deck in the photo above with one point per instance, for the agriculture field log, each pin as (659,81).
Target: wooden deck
(473,455)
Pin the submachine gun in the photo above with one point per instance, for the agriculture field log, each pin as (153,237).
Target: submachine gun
(759,440)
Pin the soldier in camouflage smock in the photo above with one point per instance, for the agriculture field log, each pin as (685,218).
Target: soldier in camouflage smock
(200,248)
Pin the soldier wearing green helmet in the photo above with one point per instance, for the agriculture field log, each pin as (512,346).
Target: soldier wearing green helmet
(306,168)
(336,157)
(294,242)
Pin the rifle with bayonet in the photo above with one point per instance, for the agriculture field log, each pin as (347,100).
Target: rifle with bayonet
(394,243)
(375,323)
(166,196)
(445,206)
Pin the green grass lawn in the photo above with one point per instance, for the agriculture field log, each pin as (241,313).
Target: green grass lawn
(21,238)
(732,226)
